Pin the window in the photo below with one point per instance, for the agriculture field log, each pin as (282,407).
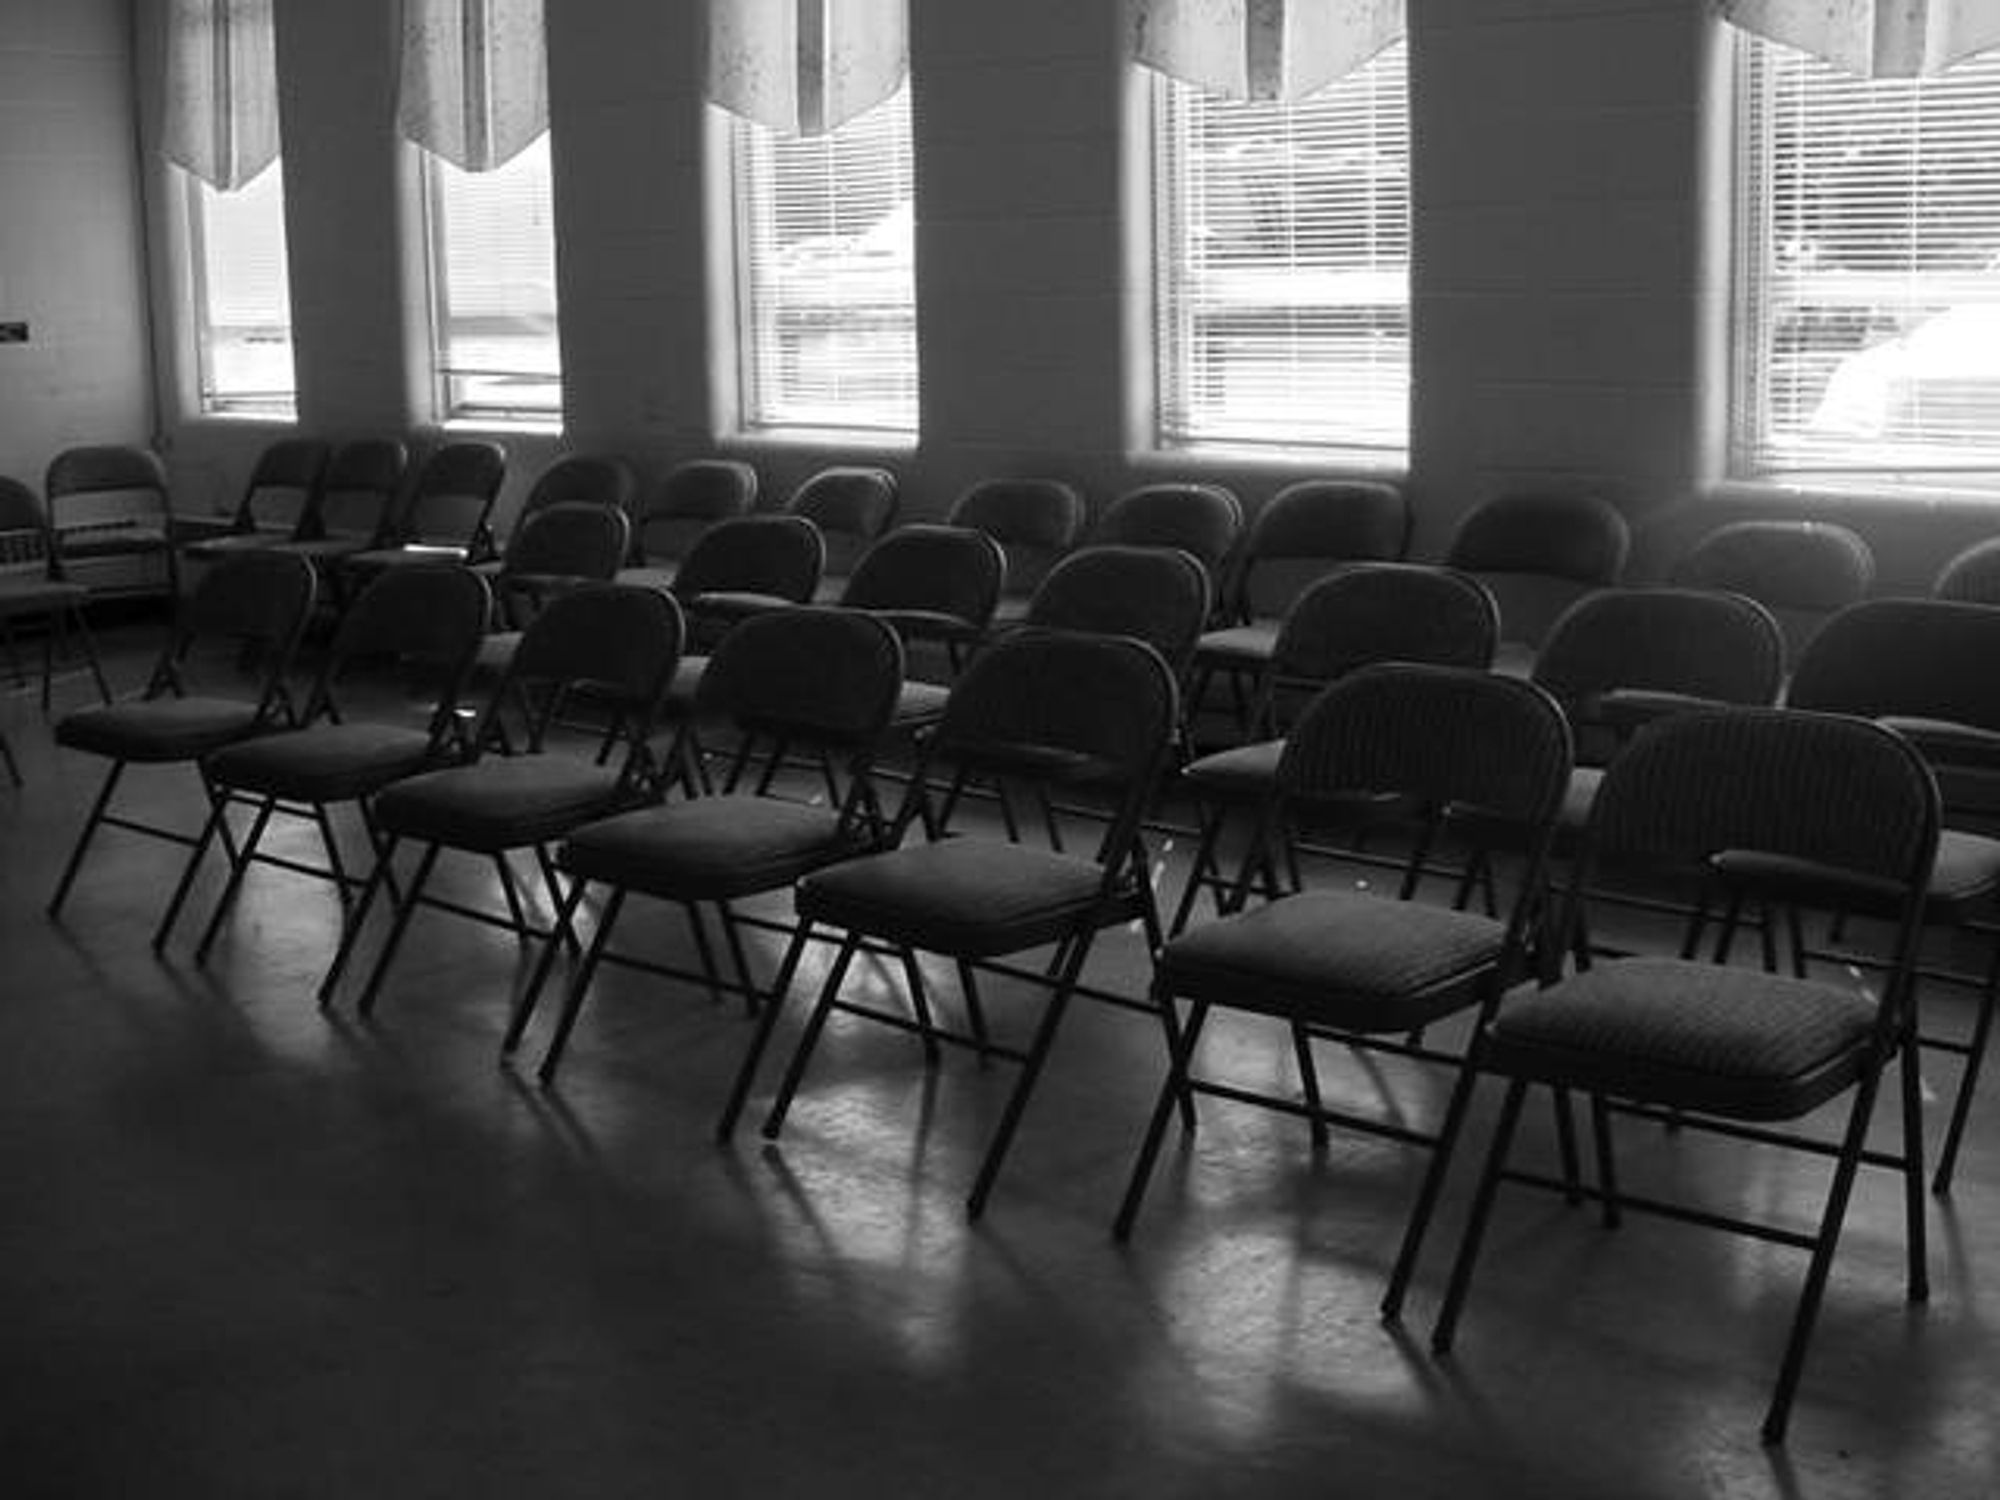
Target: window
(1281,263)
(493,289)
(243,307)
(826,252)
(1868,269)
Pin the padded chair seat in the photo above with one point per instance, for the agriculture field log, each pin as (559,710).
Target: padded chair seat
(158,729)
(1950,741)
(500,802)
(732,605)
(19,596)
(1966,869)
(1706,1037)
(709,849)
(1358,962)
(327,763)
(238,541)
(928,624)
(918,704)
(376,558)
(113,540)
(1245,646)
(326,549)
(1578,798)
(1010,611)
(495,653)
(1514,659)
(655,576)
(1243,773)
(971,897)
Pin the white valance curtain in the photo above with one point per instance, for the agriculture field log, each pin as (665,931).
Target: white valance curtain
(475,82)
(805,67)
(221,95)
(1875,38)
(1262,49)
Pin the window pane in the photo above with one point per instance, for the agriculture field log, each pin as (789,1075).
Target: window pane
(242,297)
(1868,268)
(493,247)
(826,263)
(1282,264)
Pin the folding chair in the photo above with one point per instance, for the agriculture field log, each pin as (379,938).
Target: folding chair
(690,498)
(853,507)
(29,591)
(1035,521)
(1539,552)
(254,604)
(278,499)
(109,507)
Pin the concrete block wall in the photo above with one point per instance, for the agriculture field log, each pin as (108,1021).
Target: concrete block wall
(1570,288)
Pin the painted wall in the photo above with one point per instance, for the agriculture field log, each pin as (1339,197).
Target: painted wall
(72,262)
(1570,287)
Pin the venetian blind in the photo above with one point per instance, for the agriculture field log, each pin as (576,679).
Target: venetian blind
(242,296)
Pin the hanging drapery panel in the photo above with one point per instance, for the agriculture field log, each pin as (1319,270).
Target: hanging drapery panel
(221,94)
(1262,49)
(805,67)
(1875,38)
(475,83)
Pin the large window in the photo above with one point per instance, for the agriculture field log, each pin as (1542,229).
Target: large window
(1282,255)
(243,307)
(826,251)
(493,289)
(1868,318)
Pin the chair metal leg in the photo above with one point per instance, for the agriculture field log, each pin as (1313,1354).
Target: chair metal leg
(90,655)
(579,985)
(1915,1241)
(1968,1083)
(83,838)
(1309,1084)
(920,1006)
(704,951)
(7,754)
(1482,1208)
(795,1071)
(524,1008)
(732,938)
(1180,1057)
(1607,1169)
(516,912)
(225,901)
(774,1001)
(1427,1195)
(1031,1070)
(214,830)
(975,1012)
(1201,873)
(378,877)
(1565,1109)
(405,908)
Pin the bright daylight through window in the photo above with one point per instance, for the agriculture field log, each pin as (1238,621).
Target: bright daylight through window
(1868,265)
(1282,265)
(243,306)
(826,252)
(493,279)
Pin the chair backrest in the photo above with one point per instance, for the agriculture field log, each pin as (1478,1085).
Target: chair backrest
(1159,595)
(811,675)
(1905,658)
(945,570)
(621,641)
(1203,520)
(1539,552)
(1035,521)
(689,498)
(1972,576)
(1695,643)
(24,531)
(582,478)
(283,486)
(358,492)
(764,554)
(1386,611)
(1310,526)
(1442,736)
(851,505)
(1802,571)
(569,539)
(431,615)
(451,499)
(106,486)
(258,600)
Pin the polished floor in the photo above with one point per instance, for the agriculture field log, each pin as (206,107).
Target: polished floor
(255,1248)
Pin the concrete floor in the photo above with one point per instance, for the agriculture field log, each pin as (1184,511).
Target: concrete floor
(252,1248)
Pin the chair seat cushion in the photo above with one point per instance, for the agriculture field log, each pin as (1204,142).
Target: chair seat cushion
(929,625)
(919,703)
(1244,773)
(972,897)
(35,595)
(654,576)
(1966,869)
(1578,798)
(1340,958)
(158,729)
(326,763)
(710,849)
(1708,1037)
(496,654)
(732,605)
(401,557)
(501,802)
(326,549)
(236,543)
(113,540)
(1240,646)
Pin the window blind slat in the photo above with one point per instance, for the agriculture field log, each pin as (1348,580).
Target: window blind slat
(826,253)
(1282,264)
(243,296)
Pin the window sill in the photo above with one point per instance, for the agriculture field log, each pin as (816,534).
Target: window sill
(845,439)
(1363,463)
(1918,491)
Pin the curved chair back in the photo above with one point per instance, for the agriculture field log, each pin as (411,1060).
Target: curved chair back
(1905,658)
(1035,521)
(430,615)
(283,487)
(851,506)
(569,539)
(1444,736)
(109,501)
(581,479)
(1375,612)
(812,675)
(1539,553)
(1159,595)
(1310,526)
(451,501)
(689,498)
(106,469)
(357,494)
(622,641)
(1802,571)
(24,530)
(1203,520)
(777,555)
(1972,576)
(1619,655)
(949,571)
(261,598)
